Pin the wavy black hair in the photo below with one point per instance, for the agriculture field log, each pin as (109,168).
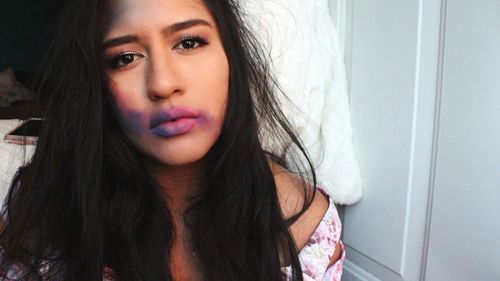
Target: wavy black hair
(85,199)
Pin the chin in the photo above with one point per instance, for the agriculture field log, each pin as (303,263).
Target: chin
(179,161)
(179,151)
(178,157)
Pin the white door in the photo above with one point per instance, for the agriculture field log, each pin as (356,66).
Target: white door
(425,97)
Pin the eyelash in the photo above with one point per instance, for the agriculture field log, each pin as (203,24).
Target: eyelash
(196,39)
(198,42)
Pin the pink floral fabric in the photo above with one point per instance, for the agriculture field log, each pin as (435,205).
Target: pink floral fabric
(317,253)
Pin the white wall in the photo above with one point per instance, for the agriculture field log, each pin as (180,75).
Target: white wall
(424,79)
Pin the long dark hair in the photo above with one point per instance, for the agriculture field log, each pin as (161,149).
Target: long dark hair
(85,200)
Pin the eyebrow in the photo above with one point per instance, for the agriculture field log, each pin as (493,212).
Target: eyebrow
(166,30)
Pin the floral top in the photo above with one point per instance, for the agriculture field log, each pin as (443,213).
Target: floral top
(314,257)
(316,254)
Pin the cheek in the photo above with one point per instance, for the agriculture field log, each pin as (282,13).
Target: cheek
(131,120)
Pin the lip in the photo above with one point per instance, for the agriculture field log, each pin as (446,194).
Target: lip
(173,122)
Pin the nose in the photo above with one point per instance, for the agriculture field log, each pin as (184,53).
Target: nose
(163,79)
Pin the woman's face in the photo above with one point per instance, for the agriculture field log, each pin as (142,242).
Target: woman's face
(168,75)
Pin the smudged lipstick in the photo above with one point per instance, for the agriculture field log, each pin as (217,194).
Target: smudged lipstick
(174,122)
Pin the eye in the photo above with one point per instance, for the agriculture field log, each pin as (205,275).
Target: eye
(191,42)
(124,60)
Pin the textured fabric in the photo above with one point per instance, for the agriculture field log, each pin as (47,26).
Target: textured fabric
(20,272)
(302,41)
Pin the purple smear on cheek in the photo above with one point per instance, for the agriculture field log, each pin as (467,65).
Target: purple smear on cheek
(132,121)
(206,121)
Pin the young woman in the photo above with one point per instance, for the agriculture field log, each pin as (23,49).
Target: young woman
(151,164)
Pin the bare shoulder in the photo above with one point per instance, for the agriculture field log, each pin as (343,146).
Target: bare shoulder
(292,193)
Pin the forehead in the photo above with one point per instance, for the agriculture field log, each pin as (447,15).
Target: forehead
(137,13)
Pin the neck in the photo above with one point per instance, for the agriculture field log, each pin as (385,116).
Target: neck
(179,184)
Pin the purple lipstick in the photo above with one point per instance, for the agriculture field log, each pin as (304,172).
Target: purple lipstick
(174,122)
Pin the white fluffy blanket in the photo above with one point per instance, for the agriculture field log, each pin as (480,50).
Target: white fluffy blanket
(309,66)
